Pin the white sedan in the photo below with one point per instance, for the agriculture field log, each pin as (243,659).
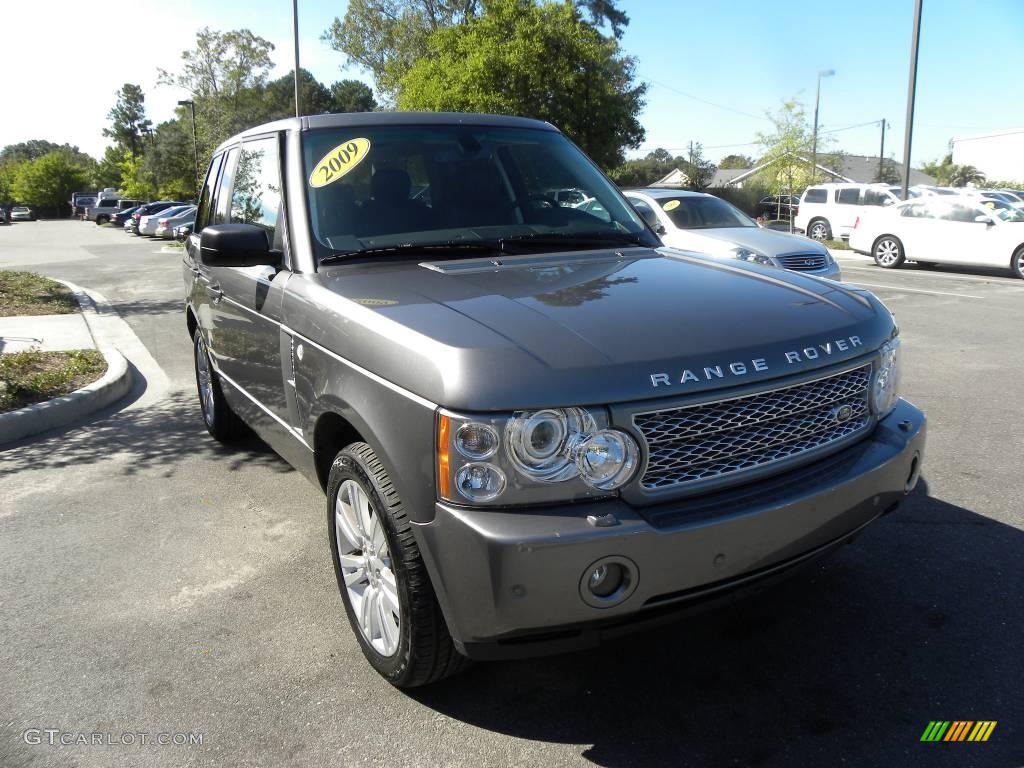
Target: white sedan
(149,222)
(696,221)
(944,230)
(167,223)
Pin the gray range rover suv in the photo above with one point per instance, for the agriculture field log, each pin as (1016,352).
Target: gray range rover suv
(533,425)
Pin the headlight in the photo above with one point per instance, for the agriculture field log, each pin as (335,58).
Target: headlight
(885,388)
(748,254)
(546,455)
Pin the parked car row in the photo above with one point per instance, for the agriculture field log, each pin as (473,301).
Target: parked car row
(830,211)
(160,219)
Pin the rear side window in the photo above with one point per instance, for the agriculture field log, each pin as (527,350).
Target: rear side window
(848,196)
(876,197)
(223,200)
(815,196)
(256,195)
(206,197)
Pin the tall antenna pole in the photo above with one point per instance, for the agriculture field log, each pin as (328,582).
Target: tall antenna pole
(911,92)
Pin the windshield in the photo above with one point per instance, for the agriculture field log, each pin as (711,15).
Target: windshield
(374,188)
(703,213)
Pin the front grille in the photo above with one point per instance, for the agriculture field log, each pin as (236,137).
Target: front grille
(729,438)
(803,261)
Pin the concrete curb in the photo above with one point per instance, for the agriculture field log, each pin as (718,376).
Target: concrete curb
(61,411)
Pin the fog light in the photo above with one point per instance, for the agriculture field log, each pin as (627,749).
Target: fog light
(606,579)
(480,482)
(476,441)
(609,581)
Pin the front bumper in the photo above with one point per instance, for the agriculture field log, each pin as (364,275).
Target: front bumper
(509,582)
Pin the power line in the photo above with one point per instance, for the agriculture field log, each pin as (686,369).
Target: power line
(848,127)
(710,103)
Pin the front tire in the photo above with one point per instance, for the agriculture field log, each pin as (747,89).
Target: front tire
(383,581)
(888,252)
(101,220)
(221,422)
(1017,263)
(819,230)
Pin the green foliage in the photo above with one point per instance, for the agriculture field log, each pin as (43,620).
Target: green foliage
(31,150)
(541,60)
(352,96)
(389,37)
(788,150)
(169,162)
(225,72)
(128,118)
(8,173)
(736,161)
(26,293)
(33,376)
(49,181)
(890,173)
(746,198)
(948,174)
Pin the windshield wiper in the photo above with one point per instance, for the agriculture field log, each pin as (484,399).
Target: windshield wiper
(461,246)
(574,239)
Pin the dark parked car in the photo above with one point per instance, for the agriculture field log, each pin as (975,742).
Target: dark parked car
(119,218)
(533,424)
(146,210)
(778,206)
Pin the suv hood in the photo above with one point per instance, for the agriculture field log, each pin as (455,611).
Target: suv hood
(581,328)
(770,242)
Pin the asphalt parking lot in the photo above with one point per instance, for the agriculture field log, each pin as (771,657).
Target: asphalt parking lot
(154,582)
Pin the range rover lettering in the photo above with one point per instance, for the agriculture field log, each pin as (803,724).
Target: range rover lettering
(533,424)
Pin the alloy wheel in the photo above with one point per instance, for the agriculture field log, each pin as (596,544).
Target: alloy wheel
(366,567)
(819,232)
(204,379)
(887,252)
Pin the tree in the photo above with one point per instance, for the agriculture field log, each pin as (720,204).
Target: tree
(108,170)
(388,37)
(962,175)
(225,72)
(168,166)
(48,181)
(699,170)
(521,57)
(940,170)
(788,150)
(889,174)
(36,148)
(279,96)
(8,174)
(736,161)
(128,118)
(352,96)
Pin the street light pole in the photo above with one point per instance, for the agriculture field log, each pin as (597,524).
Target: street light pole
(814,141)
(295,27)
(911,92)
(881,155)
(195,144)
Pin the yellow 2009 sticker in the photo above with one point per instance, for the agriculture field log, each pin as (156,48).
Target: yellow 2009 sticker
(671,205)
(339,161)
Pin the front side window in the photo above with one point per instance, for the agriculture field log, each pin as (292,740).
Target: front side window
(222,203)
(815,196)
(372,188)
(704,213)
(206,197)
(256,195)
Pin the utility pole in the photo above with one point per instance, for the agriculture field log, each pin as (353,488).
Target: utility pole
(881,155)
(911,92)
(295,27)
(814,141)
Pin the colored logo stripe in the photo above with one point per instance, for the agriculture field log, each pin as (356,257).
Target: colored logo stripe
(958,730)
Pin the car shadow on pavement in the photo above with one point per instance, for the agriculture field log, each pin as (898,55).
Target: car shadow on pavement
(156,437)
(845,663)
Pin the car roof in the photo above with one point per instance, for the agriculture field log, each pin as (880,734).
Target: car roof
(660,192)
(359,119)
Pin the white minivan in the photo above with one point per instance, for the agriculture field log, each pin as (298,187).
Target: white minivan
(830,211)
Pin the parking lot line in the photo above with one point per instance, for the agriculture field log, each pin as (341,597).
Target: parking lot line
(916,290)
(992,279)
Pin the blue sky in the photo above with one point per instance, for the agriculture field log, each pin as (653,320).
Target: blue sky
(737,54)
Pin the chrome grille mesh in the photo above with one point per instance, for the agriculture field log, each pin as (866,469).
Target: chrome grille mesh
(803,261)
(703,442)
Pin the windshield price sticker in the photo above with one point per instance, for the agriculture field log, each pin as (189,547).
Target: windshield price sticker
(338,162)
(671,205)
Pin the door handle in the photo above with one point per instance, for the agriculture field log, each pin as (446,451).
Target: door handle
(215,293)
(195,270)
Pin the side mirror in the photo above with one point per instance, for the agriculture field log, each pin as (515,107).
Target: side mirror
(983,219)
(659,228)
(236,245)
(651,218)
